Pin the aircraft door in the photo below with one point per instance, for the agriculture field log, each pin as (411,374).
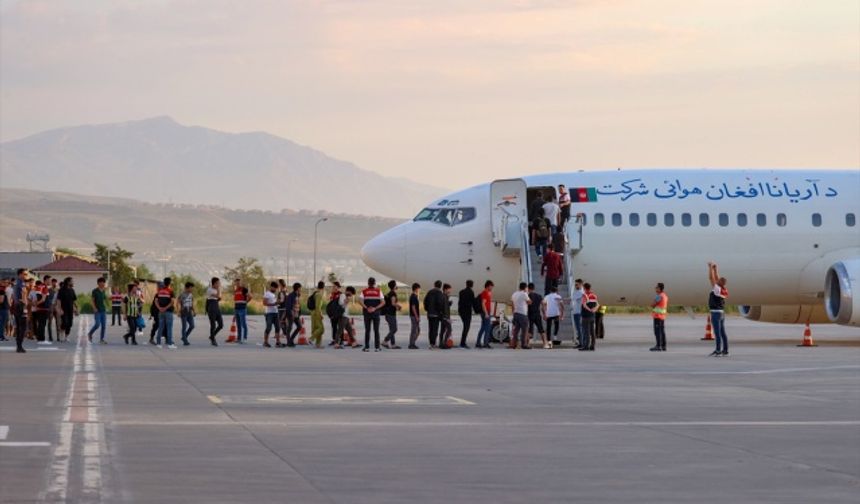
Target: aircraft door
(509,214)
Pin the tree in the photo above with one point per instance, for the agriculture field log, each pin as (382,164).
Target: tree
(249,271)
(115,260)
(144,273)
(68,251)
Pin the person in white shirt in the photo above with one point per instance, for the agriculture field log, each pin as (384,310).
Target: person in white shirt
(553,311)
(552,213)
(521,302)
(344,301)
(213,309)
(270,301)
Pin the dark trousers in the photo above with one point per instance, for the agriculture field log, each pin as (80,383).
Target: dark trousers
(132,330)
(550,322)
(391,320)
(294,324)
(66,321)
(549,284)
(371,321)
(216,321)
(521,327)
(115,315)
(446,331)
(587,338)
(20,325)
(40,322)
(335,324)
(343,326)
(660,333)
(598,325)
(154,329)
(433,322)
(467,323)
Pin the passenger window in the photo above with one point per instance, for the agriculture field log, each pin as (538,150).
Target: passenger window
(781,220)
(850,220)
(704,220)
(652,219)
(616,219)
(761,219)
(634,219)
(599,220)
(742,219)
(686,220)
(669,220)
(724,219)
(816,219)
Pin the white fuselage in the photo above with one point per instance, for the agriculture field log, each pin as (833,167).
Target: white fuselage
(781,260)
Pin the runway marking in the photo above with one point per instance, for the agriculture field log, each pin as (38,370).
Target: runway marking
(215,399)
(692,423)
(37,349)
(4,432)
(82,408)
(347,400)
(23,444)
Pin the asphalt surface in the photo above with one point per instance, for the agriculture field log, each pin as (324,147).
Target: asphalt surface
(114,423)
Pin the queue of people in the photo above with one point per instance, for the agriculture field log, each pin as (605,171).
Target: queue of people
(31,308)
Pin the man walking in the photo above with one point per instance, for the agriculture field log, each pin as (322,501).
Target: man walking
(717,306)
(414,316)
(19,306)
(446,328)
(552,213)
(390,310)
(292,312)
(165,302)
(315,306)
(434,302)
(590,305)
(553,311)
(132,304)
(465,307)
(486,300)
(658,313)
(520,300)
(115,307)
(99,311)
(186,312)
(270,302)
(213,309)
(68,300)
(371,303)
(535,316)
(551,269)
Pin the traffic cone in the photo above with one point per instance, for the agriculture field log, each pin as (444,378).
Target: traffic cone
(807,338)
(302,325)
(233,333)
(709,334)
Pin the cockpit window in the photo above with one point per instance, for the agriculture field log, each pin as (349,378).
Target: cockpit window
(446,216)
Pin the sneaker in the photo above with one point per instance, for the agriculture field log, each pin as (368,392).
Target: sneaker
(213,342)
(266,345)
(134,343)
(102,342)
(159,345)
(151,342)
(185,343)
(395,347)
(378,349)
(386,345)
(654,349)
(715,354)
(412,347)
(464,346)
(172,347)
(725,353)
(546,346)
(365,349)
(488,347)
(20,350)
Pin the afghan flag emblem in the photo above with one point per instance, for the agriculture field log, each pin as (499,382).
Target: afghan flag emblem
(583,194)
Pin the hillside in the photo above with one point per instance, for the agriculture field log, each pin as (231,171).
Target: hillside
(199,240)
(160,160)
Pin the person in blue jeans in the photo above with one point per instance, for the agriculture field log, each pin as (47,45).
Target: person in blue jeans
(576,308)
(241,296)
(4,310)
(186,311)
(717,306)
(99,311)
(165,301)
(486,299)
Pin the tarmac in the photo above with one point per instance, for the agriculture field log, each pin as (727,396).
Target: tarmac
(113,423)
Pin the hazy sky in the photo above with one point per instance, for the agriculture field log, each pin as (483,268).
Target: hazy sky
(455,92)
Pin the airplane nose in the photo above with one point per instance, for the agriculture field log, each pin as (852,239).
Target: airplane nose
(386,253)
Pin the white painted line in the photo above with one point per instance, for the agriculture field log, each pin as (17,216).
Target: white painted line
(4,432)
(92,478)
(23,444)
(460,400)
(705,423)
(59,469)
(38,349)
(215,399)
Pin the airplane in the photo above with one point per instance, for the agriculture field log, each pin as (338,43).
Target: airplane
(787,241)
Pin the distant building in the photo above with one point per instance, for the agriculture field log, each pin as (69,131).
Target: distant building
(85,273)
(11,261)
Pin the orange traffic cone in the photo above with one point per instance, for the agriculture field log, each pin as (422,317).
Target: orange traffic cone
(302,325)
(807,338)
(709,334)
(233,333)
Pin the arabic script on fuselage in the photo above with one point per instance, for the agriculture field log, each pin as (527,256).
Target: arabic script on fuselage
(809,189)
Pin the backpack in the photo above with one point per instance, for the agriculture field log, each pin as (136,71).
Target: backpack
(476,306)
(542,229)
(334,309)
(312,302)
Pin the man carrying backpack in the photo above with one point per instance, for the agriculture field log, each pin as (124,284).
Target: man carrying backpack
(390,310)
(540,234)
(465,306)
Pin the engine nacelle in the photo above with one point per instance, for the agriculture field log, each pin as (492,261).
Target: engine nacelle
(842,292)
(785,314)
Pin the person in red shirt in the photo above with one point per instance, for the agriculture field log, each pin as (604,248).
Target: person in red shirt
(551,269)
(371,302)
(486,300)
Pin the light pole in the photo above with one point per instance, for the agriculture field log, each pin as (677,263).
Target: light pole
(289,245)
(316,233)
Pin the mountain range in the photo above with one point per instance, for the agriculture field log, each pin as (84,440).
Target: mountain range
(159,160)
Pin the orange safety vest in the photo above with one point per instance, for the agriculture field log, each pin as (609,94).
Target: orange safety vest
(659,310)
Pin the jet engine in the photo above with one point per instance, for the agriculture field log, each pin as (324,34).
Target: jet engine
(842,292)
(785,314)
